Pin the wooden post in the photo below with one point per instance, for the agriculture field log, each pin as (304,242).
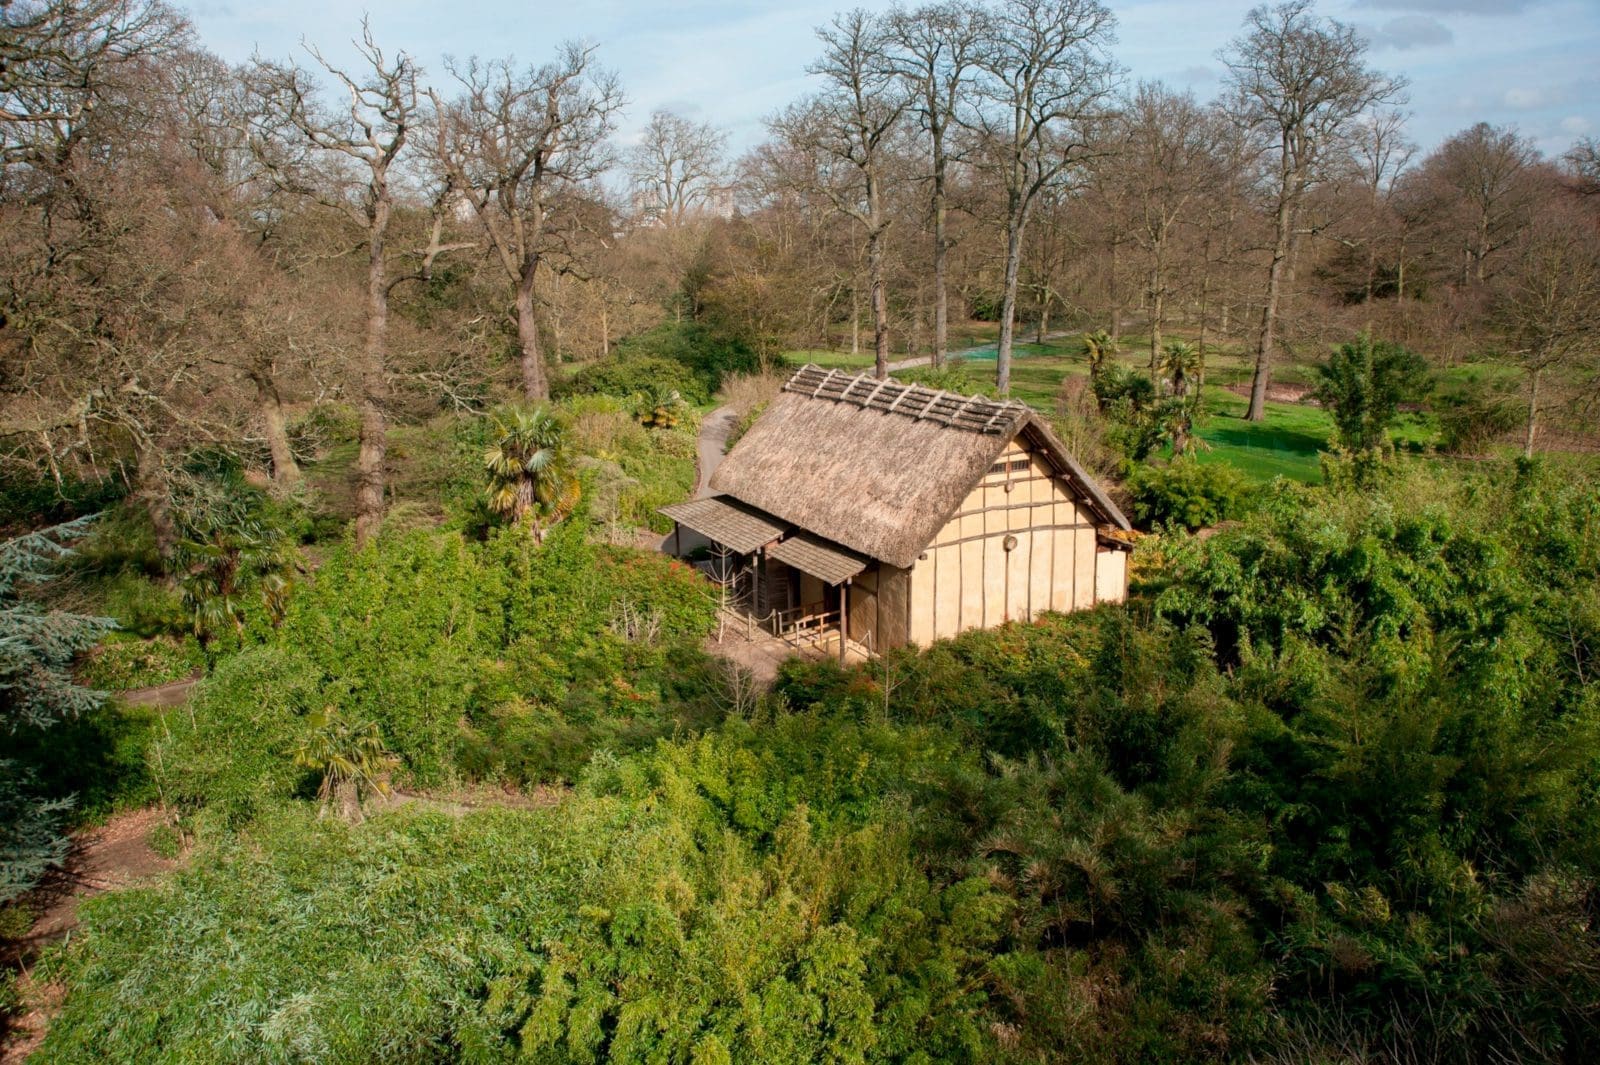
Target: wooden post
(677,544)
(844,612)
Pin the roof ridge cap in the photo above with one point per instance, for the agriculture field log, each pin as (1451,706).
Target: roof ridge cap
(814,382)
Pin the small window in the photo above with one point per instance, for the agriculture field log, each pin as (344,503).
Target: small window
(1011,467)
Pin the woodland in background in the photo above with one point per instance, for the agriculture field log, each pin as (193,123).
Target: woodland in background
(196,257)
(354,392)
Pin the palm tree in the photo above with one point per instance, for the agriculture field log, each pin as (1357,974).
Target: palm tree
(530,470)
(1180,363)
(1100,347)
(658,407)
(350,758)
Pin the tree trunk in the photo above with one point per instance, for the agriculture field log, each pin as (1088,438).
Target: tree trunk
(1533,413)
(373,438)
(855,317)
(157,505)
(348,796)
(1044,318)
(941,264)
(1008,307)
(880,305)
(1482,251)
(1269,311)
(535,383)
(1115,298)
(1400,274)
(285,471)
(1158,306)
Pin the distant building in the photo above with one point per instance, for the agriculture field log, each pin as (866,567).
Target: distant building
(907,513)
(649,208)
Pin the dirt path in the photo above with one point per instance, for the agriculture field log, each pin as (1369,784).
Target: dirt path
(114,855)
(1277,393)
(171,693)
(461,801)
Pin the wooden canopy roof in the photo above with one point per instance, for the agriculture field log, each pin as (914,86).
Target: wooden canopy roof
(728,522)
(811,554)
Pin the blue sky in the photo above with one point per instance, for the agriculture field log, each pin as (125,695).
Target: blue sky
(1534,64)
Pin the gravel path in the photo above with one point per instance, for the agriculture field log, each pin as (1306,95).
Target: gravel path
(714,431)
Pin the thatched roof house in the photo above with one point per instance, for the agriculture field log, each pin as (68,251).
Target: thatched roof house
(915,512)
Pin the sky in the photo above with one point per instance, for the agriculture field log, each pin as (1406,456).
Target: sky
(1531,64)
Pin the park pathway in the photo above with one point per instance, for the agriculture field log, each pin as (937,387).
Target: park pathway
(714,431)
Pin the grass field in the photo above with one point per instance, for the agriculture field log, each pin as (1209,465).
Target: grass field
(1287,444)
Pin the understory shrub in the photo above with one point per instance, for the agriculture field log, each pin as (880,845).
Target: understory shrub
(29,498)
(629,471)
(711,355)
(1187,493)
(624,376)
(145,607)
(509,660)
(516,934)
(230,749)
(954,376)
(1475,417)
(122,661)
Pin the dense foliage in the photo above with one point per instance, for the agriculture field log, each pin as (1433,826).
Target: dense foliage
(684,357)
(1364,382)
(1187,493)
(508,659)
(1326,791)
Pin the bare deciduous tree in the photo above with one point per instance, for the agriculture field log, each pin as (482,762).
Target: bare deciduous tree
(1381,154)
(935,49)
(1477,191)
(1169,157)
(514,145)
(1546,302)
(364,138)
(676,168)
(1044,76)
(1297,81)
(60,59)
(844,137)
(1584,160)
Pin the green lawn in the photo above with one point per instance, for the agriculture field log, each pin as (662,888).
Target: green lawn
(831,360)
(1287,444)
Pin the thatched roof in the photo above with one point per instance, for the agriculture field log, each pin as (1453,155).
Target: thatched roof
(880,466)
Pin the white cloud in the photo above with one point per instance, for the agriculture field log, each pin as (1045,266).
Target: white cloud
(1576,125)
(1407,32)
